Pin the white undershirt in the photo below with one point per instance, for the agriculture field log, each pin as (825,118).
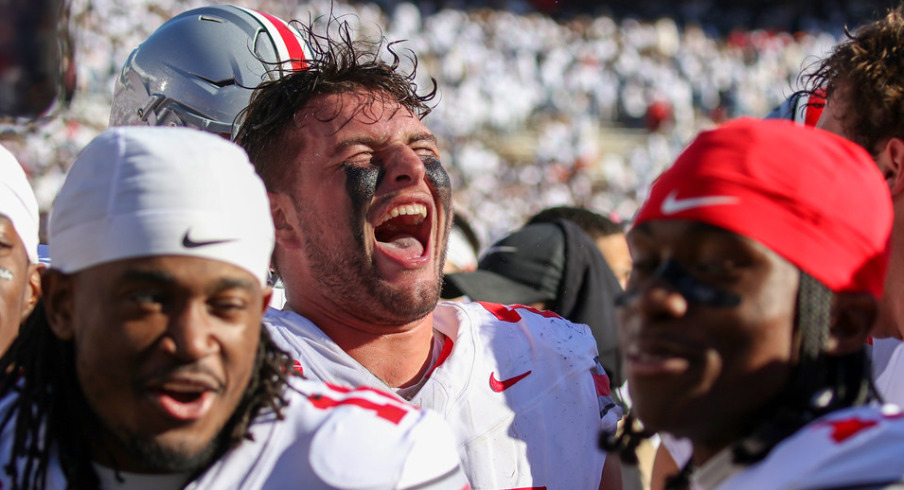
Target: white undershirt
(716,471)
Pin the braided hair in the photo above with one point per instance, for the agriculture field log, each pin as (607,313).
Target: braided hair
(40,369)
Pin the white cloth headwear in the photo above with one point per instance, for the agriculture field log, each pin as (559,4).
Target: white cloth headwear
(145,191)
(18,203)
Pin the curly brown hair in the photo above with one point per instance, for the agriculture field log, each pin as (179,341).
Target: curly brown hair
(339,64)
(866,73)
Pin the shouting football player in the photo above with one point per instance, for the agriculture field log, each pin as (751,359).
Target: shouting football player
(362,208)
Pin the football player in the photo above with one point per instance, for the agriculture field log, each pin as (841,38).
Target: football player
(199,68)
(149,367)
(20,276)
(362,208)
(865,97)
(745,318)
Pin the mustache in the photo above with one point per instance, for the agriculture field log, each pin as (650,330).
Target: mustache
(193,373)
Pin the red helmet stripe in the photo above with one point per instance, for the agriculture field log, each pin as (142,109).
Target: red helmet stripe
(288,43)
(814,111)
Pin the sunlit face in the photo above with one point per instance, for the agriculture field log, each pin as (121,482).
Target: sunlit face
(19,283)
(614,248)
(891,308)
(703,370)
(164,349)
(373,205)
(832,117)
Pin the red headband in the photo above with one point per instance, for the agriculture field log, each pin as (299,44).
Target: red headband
(814,198)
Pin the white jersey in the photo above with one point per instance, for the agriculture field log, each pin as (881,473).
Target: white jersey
(852,448)
(888,376)
(888,369)
(329,438)
(521,389)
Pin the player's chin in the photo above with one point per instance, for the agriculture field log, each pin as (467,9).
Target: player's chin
(174,452)
(412,303)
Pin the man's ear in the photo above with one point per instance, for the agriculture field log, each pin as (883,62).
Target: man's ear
(853,316)
(32,289)
(268,295)
(58,302)
(285,219)
(891,163)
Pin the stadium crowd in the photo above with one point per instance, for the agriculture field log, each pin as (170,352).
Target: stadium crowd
(533,111)
(254,291)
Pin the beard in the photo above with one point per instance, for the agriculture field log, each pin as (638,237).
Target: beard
(167,459)
(351,278)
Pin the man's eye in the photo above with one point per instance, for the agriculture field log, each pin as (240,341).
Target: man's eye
(725,268)
(148,298)
(359,159)
(227,306)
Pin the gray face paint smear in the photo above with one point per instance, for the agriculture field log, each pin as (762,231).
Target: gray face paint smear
(694,291)
(361,185)
(6,274)
(440,181)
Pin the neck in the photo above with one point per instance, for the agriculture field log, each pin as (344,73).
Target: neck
(398,355)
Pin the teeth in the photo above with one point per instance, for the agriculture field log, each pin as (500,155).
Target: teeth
(404,210)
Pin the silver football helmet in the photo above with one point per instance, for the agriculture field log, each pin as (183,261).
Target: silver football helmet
(199,68)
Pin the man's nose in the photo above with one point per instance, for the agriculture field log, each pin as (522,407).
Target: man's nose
(190,332)
(404,167)
(656,299)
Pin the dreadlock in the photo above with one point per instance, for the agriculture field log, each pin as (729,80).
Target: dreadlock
(820,384)
(339,64)
(40,369)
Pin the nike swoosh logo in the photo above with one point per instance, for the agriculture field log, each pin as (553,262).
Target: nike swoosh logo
(187,242)
(500,386)
(672,204)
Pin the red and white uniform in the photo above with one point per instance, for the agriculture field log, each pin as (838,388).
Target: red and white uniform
(888,369)
(329,438)
(851,448)
(521,389)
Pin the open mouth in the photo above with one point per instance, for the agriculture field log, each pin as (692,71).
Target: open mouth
(657,358)
(403,232)
(183,401)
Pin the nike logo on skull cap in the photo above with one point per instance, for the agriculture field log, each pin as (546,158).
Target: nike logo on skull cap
(187,242)
(672,204)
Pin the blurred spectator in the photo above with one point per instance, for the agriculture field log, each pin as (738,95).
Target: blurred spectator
(608,235)
(36,71)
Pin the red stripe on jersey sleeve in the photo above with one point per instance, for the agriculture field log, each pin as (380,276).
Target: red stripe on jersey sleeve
(601,381)
(390,412)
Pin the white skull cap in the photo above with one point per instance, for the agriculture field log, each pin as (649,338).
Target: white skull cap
(147,191)
(18,203)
